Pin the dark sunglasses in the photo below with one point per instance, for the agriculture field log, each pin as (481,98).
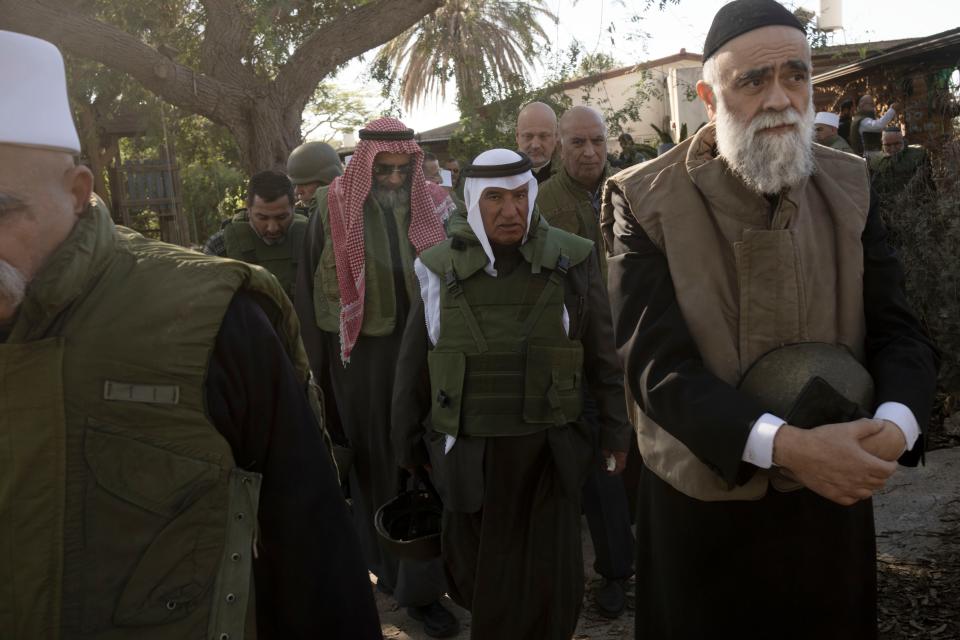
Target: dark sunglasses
(383,169)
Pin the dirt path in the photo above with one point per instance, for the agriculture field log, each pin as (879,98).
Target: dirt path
(918,545)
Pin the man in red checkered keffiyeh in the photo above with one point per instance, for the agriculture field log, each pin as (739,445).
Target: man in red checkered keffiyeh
(430,205)
(366,231)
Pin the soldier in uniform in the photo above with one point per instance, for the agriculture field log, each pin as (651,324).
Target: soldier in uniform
(825,126)
(161,462)
(898,165)
(267,232)
(354,291)
(511,323)
(570,201)
(742,239)
(310,166)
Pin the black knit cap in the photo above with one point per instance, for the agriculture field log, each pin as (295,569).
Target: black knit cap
(740,16)
(499,170)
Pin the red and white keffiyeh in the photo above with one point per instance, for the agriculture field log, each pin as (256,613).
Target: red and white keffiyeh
(430,204)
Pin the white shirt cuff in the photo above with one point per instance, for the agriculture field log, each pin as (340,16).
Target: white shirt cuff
(900,415)
(759,449)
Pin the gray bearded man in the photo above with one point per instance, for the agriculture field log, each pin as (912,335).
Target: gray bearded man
(354,290)
(747,245)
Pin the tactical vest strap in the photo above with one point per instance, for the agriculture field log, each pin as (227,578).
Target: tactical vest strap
(456,291)
(556,279)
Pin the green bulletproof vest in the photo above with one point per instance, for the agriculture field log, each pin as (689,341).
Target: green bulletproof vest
(863,141)
(503,364)
(380,300)
(123,514)
(243,243)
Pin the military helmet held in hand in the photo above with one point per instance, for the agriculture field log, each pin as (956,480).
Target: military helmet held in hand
(777,378)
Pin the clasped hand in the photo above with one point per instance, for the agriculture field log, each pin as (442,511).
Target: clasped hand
(843,462)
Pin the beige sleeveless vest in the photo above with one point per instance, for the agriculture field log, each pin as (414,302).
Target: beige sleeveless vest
(749,276)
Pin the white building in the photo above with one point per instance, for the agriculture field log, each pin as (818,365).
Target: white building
(663,89)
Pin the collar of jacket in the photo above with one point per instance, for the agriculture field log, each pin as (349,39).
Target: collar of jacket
(474,259)
(727,193)
(69,272)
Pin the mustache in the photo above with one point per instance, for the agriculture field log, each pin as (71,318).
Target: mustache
(13,284)
(773,119)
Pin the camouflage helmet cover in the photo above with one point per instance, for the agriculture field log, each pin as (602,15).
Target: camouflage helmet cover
(314,162)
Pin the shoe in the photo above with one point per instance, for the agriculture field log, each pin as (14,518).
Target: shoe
(610,598)
(437,621)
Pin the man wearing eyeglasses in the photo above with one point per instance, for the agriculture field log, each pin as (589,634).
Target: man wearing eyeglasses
(354,290)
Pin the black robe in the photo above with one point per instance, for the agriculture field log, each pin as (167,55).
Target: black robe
(310,576)
(358,415)
(788,565)
(511,522)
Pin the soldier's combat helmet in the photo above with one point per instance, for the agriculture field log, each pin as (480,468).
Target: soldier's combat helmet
(314,162)
(409,525)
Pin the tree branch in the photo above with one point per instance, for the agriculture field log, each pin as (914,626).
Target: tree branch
(95,40)
(226,38)
(344,38)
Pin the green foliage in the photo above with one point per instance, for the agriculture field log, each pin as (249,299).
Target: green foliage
(815,36)
(924,228)
(334,110)
(211,192)
(484,46)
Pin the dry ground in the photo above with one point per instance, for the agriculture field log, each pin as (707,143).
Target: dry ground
(918,542)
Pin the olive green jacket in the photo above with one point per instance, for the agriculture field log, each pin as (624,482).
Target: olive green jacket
(567,205)
(122,511)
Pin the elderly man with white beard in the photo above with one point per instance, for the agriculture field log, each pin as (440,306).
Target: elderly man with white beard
(741,240)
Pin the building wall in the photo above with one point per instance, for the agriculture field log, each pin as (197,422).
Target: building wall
(667,107)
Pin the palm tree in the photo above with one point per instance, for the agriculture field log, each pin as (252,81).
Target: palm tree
(485,46)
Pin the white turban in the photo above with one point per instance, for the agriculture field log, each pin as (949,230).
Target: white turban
(473,188)
(827,118)
(34,110)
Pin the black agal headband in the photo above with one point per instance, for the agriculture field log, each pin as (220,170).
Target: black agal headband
(499,170)
(369,134)
(739,17)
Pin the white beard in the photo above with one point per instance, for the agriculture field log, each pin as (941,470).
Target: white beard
(767,163)
(13,285)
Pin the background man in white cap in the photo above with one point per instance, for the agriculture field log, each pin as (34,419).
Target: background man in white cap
(825,131)
(512,320)
(141,447)
(744,238)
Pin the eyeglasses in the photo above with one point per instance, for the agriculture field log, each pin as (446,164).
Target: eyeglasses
(383,169)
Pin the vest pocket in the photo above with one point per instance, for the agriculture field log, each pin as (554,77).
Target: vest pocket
(447,369)
(169,502)
(552,382)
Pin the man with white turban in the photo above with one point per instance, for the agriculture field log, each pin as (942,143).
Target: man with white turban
(825,127)
(162,472)
(743,239)
(511,323)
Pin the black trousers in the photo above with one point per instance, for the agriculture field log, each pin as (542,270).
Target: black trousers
(791,566)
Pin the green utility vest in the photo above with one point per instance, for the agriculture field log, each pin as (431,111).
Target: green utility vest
(243,244)
(380,299)
(503,364)
(862,142)
(890,174)
(566,205)
(123,514)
